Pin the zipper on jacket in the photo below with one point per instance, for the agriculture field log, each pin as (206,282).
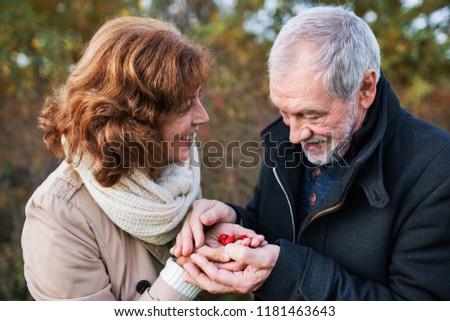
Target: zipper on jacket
(289,203)
(319,213)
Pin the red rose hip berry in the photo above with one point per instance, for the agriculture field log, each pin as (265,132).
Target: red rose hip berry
(230,239)
(222,238)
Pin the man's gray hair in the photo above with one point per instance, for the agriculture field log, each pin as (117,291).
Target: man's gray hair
(344,45)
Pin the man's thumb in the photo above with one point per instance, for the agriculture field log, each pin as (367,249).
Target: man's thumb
(261,257)
(240,253)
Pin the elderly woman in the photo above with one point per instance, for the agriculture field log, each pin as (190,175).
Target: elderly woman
(100,226)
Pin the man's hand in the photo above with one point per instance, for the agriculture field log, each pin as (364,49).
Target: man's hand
(213,249)
(204,213)
(259,264)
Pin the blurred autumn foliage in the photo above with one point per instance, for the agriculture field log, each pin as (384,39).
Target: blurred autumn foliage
(41,39)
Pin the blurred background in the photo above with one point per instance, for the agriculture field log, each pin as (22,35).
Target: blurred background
(40,40)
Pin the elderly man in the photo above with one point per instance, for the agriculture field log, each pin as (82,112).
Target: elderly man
(354,193)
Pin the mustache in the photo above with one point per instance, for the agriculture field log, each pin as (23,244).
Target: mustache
(316,139)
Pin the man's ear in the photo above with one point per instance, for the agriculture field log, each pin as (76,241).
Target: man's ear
(368,89)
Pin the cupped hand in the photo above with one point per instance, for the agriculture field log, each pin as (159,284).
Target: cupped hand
(259,263)
(204,213)
(214,249)
(244,236)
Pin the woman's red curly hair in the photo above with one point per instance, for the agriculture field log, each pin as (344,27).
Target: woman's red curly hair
(134,73)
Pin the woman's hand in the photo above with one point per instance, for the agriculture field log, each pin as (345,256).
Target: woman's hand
(214,249)
(204,213)
(249,237)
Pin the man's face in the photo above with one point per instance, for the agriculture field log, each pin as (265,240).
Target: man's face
(322,125)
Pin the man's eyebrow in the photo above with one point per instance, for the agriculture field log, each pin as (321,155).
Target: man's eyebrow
(303,111)
(310,111)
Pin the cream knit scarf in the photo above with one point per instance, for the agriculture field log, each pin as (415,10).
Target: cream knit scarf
(152,211)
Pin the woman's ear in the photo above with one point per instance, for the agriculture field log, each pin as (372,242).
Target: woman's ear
(368,89)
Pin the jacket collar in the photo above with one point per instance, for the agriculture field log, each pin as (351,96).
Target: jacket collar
(366,166)
(371,155)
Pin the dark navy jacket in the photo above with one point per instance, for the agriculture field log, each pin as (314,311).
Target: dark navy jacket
(382,233)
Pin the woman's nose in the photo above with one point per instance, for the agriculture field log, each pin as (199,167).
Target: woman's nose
(200,116)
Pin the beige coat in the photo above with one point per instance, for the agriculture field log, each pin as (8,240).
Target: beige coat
(72,250)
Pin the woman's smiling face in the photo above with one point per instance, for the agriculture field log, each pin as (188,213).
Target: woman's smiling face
(178,131)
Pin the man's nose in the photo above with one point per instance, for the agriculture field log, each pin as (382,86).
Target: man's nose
(298,131)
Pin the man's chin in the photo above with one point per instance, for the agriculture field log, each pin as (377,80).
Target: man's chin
(318,160)
(317,154)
